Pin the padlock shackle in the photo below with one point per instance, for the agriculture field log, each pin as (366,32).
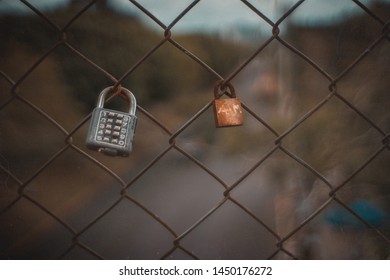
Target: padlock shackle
(219,91)
(128,93)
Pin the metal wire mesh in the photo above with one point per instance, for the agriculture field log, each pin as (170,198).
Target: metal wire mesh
(140,212)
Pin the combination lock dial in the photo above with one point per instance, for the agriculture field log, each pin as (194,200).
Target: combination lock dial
(111,131)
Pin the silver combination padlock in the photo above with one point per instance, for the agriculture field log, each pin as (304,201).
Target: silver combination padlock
(110,131)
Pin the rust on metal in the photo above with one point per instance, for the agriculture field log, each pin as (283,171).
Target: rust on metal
(227,111)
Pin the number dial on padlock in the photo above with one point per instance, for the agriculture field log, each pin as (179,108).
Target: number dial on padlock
(227,111)
(111,131)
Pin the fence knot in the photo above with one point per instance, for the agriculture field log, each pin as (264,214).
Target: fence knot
(62,36)
(332,194)
(176,242)
(386,28)
(69,140)
(123,192)
(15,89)
(278,141)
(172,141)
(332,87)
(386,139)
(75,239)
(275,31)
(279,245)
(167,34)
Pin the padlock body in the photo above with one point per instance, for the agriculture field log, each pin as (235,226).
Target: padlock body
(111,132)
(228,112)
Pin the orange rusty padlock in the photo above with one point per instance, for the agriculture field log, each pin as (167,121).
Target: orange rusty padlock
(227,111)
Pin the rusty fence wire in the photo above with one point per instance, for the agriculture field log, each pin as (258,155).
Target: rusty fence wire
(130,219)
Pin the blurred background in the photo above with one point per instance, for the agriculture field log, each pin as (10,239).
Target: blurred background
(306,176)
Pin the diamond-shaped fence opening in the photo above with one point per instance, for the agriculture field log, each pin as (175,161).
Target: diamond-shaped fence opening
(305,176)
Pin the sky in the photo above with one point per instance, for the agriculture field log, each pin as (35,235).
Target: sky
(217,15)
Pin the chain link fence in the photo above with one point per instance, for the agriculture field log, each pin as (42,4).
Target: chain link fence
(305,177)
